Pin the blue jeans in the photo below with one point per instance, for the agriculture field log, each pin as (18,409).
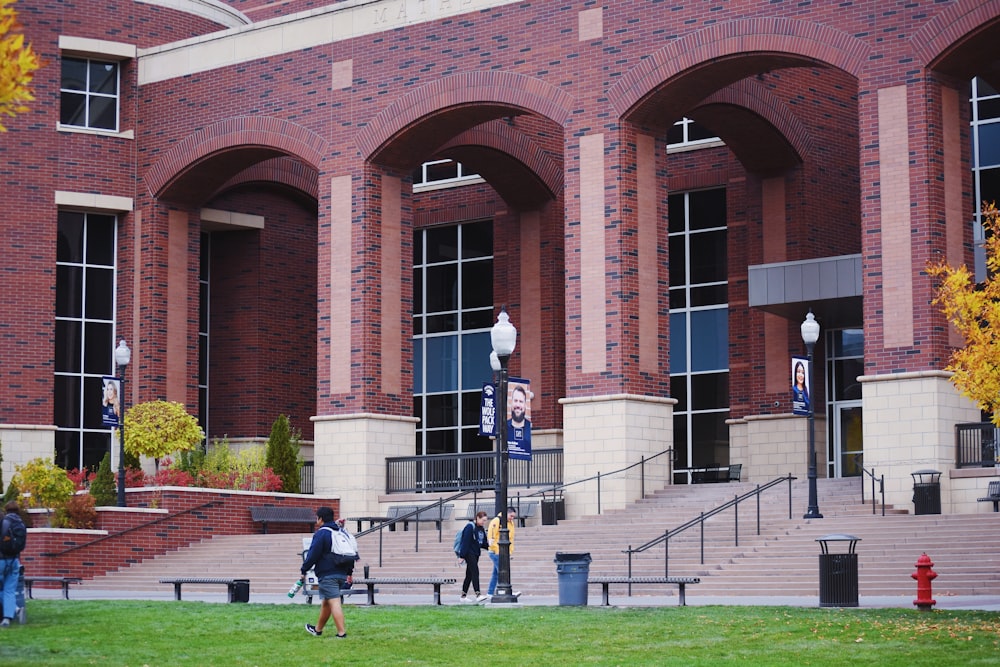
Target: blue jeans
(9,570)
(496,572)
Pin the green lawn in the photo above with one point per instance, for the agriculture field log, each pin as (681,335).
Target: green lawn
(134,633)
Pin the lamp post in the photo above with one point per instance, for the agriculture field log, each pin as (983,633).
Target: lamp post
(503,335)
(810,334)
(122,356)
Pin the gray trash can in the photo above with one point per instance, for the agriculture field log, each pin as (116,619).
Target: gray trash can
(241,591)
(573,570)
(838,572)
(926,491)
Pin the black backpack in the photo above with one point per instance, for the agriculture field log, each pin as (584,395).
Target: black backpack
(13,536)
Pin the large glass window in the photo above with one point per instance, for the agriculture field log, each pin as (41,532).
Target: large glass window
(89,94)
(985,103)
(686,133)
(84,338)
(441,174)
(203,320)
(699,327)
(453,313)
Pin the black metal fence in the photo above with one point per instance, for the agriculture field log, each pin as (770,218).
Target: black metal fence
(307,477)
(976,445)
(468,472)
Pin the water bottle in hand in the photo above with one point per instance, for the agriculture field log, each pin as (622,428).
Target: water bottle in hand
(296,587)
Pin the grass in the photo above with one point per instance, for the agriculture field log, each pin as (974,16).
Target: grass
(131,633)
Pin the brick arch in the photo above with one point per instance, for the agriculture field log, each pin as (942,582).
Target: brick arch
(959,37)
(415,123)
(776,140)
(285,171)
(253,138)
(518,151)
(718,55)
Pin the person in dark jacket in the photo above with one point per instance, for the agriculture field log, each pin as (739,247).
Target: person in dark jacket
(331,576)
(473,541)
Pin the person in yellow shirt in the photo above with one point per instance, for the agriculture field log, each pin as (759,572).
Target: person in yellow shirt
(493,535)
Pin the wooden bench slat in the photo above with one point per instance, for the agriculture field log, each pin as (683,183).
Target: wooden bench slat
(265,514)
(680,582)
(229,583)
(371,582)
(63,581)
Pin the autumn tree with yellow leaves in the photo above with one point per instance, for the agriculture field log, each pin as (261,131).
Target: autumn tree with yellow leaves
(974,309)
(17,64)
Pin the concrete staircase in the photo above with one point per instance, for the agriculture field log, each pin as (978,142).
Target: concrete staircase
(781,560)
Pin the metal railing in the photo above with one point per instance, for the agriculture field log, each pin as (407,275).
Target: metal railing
(700,521)
(307,477)
(976,445)
(881,487)
(557,489)
(424,511)
(443,473)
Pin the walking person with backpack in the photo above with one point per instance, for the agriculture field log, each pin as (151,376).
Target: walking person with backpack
(13,537)
(468,543)
(332,554)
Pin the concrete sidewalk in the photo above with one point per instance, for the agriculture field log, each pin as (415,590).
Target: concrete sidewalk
(980,602)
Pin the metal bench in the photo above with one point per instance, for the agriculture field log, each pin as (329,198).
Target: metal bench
(231,585)
(992,495)
(63,581)
(526,510)
(391,515)
(606,582)
(473,509)
(371,583)
(277,514)
(435,514)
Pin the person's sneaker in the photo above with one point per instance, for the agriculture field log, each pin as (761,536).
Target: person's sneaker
(516,594)
(311,629)
(343,636)
(463,598)
(5,623)
(482,598)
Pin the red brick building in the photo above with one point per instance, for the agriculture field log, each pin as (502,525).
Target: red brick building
(657,193)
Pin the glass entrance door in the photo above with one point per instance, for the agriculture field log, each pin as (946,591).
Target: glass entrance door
(848,444)
(845,362)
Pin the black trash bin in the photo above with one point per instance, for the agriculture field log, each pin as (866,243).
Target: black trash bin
(926,491)
(573,570)
(241,591)
(553,510)
(838,572)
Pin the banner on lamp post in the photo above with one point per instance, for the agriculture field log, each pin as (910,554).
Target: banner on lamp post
(519,419)
(801,391)
(111,404)
(488,411)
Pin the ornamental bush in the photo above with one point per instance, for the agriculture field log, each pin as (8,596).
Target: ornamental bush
(283,454)
(48,485)
(158,428)
(102,487)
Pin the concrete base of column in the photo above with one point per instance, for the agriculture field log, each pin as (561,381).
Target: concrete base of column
(350,453)
(602,434)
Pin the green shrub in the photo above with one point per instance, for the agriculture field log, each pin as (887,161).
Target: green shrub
(158,428)
(48,484)
(103,488)
(283,454)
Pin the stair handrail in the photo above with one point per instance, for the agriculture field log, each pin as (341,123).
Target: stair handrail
(439,504)
(881,487)
(556,489)
(700,521)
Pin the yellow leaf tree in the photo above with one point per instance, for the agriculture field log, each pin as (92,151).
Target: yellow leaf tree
(17,64)
(974,309)
(158,428)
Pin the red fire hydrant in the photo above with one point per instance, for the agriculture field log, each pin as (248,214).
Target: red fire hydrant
(924,575)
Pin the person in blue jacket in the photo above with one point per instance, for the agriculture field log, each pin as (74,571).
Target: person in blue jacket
(473,541)
(332,576)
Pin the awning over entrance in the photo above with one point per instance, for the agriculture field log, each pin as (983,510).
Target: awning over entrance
(828,285)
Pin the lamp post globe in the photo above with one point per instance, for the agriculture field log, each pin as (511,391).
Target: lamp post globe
(503,336)
(810,334)
(122,356)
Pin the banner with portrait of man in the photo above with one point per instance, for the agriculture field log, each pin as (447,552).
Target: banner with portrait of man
(519,419)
